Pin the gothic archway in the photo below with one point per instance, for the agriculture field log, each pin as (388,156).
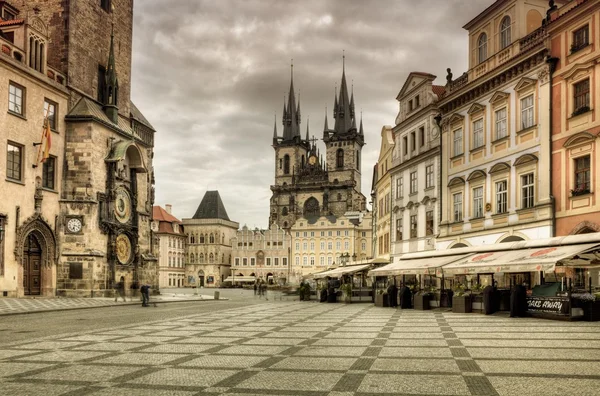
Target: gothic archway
(311,207)
(36,250)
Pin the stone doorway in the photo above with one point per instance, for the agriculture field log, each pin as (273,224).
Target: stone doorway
(201,278)
(32,274)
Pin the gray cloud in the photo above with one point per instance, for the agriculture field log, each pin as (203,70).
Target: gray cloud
(210,75)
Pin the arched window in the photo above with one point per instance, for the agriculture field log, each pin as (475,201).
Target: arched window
(211,258)
(302,162)
(311,207)
(192,238)
(286,165)
(200,258)
(212,239)
(284,211)
(482,48)
(339,158)
(191,257)
(357,159)
(505,38)
(201,238)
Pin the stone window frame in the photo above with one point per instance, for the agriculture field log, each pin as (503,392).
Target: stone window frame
(482,48)
(414,226)
(429,176)
(46,171)
(477,112)
(458,215)
(505,32)
(21,148)
(579,37)
(414,182)
(51,120)
(501,197)
(429,222)
(586,94)
(479,184)
(22,97)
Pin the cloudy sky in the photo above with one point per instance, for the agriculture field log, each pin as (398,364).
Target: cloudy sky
(211,75)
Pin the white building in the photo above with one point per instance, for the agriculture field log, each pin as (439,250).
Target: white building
(171,243)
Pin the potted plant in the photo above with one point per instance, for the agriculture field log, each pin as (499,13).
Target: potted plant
(461,300)
(422,299)
(346,289)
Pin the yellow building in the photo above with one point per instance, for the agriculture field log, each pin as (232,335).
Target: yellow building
(321,243)
(382,196)
(495,131)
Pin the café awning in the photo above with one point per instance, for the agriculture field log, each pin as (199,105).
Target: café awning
(243,279)
(426,266)
(337,272)
(522,260)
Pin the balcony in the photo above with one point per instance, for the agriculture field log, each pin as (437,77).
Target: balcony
(518,47)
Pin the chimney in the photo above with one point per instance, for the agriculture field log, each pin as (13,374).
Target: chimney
(168,208)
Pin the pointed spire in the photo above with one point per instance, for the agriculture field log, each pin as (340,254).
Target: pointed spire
(343,119)
(361,132)
(291,127)
(335,105)
(275,129)
(352,101)
(307,133)
(111,95)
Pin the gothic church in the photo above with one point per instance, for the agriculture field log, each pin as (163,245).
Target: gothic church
(306,184)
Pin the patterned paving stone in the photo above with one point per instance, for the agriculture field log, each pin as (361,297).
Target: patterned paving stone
(214,361)
(25,389)
(184,377)
(293,381)
(529,353)
(414,384)
(253,350)
(139,359)
(139,392)
(331,351)
(10,369)
(62,356)
(410,365)
(310,363)
(518,386)
(537,367)
(416,352)
(85,373)
(108,346)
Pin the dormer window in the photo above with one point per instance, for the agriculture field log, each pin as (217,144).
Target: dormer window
(505,36)
(7,16)
(482,48)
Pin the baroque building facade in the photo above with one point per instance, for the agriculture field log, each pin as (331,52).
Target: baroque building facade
(210,234)
(495,128)
(574,41)
(170,241)
(99,230)
(261,254)
(308,184)
(382,196)
(415,172)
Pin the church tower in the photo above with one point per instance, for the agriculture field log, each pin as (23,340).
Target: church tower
(306,184)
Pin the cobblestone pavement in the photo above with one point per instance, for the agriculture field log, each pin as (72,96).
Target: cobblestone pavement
(10,306)
(306,349)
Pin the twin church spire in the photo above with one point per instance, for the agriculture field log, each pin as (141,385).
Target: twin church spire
(343,114)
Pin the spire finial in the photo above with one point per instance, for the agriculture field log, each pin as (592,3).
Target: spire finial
(344,60)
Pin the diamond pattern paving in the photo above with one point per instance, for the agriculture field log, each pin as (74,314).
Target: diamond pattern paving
(311,349)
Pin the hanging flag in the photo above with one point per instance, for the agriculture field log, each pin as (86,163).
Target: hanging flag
(45,144)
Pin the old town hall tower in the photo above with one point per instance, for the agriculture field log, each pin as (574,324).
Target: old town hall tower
(306,183)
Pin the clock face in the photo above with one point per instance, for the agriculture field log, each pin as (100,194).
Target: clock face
(312,160)
(123,247)
(122,206)
(74,225)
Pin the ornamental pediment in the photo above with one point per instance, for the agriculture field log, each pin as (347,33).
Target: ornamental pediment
(476,108)
(525,83)
(499,96)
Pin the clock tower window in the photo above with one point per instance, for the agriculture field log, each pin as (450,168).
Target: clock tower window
(286,165)
(340,158)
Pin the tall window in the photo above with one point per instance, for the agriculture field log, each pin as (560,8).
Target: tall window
(105,4)
(15,99)
(244,261)
(527,112)
(14,161)
(101,84)
(581,96)
(286,165)
(284,261)
(413,141)
(48,171)
(268,261)
(505,38)
(422,136)
(304,260)
(501,197)
(297,260)
(399,229)
(478,133)
(527,191)
(252,261)
(458,142)
(581,38)
(340,158)
(501,123)
(322,260)
(429,176)
(413,182)
(482,48)
(457,204)
(405,145)
(429,223)
(2,227)
(582,174)
(413,226)
(478,202)
(399,187)
(50,113)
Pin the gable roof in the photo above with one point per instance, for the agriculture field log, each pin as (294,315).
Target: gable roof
(211,207)
(439,90)
(137,115)
(161,214)
(406,86)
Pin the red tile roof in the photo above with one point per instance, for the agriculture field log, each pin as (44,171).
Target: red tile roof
(11,22)
(439,90)
(160,214)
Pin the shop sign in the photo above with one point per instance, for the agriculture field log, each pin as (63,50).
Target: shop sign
(555,305)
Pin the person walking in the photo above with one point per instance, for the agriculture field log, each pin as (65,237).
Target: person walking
(120,290)
(145,295)
(255,287)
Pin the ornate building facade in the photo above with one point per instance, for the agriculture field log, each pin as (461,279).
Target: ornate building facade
(262,254)
(415,172)
(308,184)
(170,241)
(495,132)
(574,37)
(99,229)
(382,196)
(210,234)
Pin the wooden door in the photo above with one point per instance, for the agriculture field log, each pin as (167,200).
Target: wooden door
(32,257)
